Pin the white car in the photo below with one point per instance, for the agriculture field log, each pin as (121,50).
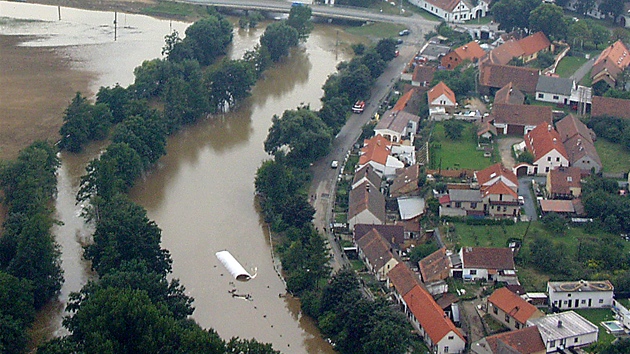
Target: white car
(334,164)
(521,200)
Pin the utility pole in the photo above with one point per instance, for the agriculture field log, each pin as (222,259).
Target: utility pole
(115,25)
(336,46)
(59,12)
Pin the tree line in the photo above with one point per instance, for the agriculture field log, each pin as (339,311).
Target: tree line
(132,307)
(296,139)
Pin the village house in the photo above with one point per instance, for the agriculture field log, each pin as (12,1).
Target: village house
(454,10)
(499,187)
(485,263)
(434,270)
(441,95)
(433,325)
(366,173)
(525,49)
(581,294)
(471,52)
(555,89)
(568,208)
(577,139)
(608,106)
(377,152)
(565,330)
(523,341)
(398,126)
(509,94)
(610,63)
(461,202)
(510,309)
(377,254)
(486,132)
(494,76)
(564,183)
(406,182)
(401,280)
(545,144)
(394,234)
(366,205)
(422,76)
(513,119)
(494,174)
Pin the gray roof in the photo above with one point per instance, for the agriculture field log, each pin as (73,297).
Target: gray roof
(562,325)
(434,51)
(396,121)
(465,195)
(581,286)
(410,207)
(559,85)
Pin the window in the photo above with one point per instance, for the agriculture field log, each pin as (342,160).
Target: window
(583,301)
(446,349)
(546,169)
(601,301)
(507,319)
(575,340)
(451,337)
(541,95)
(473,272)
(568,295)
(495,310)
(473,205)
(552,343)
(556,97)
(557,159)
(458,204)
(548,158)
(566,302)
(517,325)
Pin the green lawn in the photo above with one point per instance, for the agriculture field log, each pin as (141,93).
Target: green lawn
(168,8)
(614,157)
(376,29)
(568,65)
(461,153)
(596,316)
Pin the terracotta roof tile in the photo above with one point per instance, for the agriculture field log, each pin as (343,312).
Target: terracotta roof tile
(570,126)
(376,249)
(499,188)
(616,53)
(495,172)
(563,179)
(395,234)
(431,317)
(607,106)
(524,341)
(509,95)
(534,43)
(441,89)
(507,51)
(448,5)
(435,266)
(544,139)
(403,279)
(470,51)
(403,100)
(513,305)
(488,258)
(521,114)
(577,148)
(375,149)
(492,75)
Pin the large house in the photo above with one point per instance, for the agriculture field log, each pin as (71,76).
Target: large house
(366,173)
(434,270)
(495,76)
(519,119)
(508,94)
(441,95)
(577,139)
(510,309)
(366,205)
(499,187)
(485,263)
(610,63)
(555,89)
(523,341)
(377,152)
(406,182)
(468,52)
(565,330)
(580,294)
(422,76)
(398,126)
(545,144)
(525,49)
(454,10)
(461,202)
(377,254)
(608,106)
(564,183)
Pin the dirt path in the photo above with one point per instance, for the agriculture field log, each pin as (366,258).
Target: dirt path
(505,149)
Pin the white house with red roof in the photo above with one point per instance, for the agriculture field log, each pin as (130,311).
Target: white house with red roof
(398,126)
(441,96)
(485,263)
(454,10)
(545,144)
(377,152)
(499,187)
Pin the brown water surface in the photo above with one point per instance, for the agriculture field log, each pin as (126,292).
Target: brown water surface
(201,193)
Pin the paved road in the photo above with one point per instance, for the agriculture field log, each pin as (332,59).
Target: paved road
(583,70)
(524,189)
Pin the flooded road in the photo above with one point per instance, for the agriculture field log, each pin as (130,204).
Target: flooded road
(201,193)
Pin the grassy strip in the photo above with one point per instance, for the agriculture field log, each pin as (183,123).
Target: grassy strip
(167,8)
(615,158)
(568,65)
(596,316)
(376,29)
(461,153)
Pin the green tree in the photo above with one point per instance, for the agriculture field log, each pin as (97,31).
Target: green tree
(258,59)
(420,251)
(230,82)
(453,129)
(208,39)
(513,14)
(599,33)
(170,40)
(116,99)
(612,8)
(300,19)
(526,157)
(373,61)
(278,39)
(386,48)
(16,313)
(461,82)
(146,136)
(76,124)
(355,84)
(578,34)
(334,113)
(302,132)
(548,19)
(584,6)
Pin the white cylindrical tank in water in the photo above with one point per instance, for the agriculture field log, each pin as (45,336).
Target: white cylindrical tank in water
(233,266)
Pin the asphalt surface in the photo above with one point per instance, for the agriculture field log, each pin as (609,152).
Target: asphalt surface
(583,70)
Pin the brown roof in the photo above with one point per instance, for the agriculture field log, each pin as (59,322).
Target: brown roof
(448,5)
(563,179)
(403,100)
(543,139)
(470,51)
(492,75)
(364,198)
(616,53)
(431,317)
(497,170)
(577,148)
(487,258)
(441,89)
(513,305)
(376,149)
(435,266)
(368,173)
(376,249)
(499,188)
(396,120)
(507,51)
(394,234)
(524,341)
(403,279)
(557,206)
(518,114)
(423,74)
(607,106)
(508,94)
(406,181)
(534,43)
(447,300)
(570,126)
(485,128)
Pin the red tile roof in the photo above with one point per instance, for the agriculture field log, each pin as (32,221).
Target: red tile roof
(403,279)
(448,5)
(403,100)
(524,341)
(435,266)
(376,249)
(440,89)
(507,51)
(499,188)
(534,43)
(509,95)
(375,149)
(470,51)
(492,75)
(430,315)
(607,106)
(497,170)
(570,126)
(488,258)
(616,53)
(513,305)
(521,114)
(395,234)
(563,179)
(544,139)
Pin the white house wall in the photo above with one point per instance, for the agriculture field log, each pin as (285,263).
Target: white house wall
(550,161)
(552,98)
(450,343)
(364,217)
(561,299)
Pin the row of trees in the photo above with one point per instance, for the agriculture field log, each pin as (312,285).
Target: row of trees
(296,139)
(30,270)
(133,307)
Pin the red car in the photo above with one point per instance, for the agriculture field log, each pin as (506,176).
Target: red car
(358,107)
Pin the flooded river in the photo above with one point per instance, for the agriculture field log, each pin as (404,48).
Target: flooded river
(201,193)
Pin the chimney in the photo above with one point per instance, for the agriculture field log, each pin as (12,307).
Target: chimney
(549,127)
(559,323)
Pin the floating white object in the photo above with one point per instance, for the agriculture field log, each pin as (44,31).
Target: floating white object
(234,267)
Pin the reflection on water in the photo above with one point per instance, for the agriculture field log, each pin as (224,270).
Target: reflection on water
(201,193)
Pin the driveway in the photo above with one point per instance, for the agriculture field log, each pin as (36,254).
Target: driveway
(525,190)
(505,149)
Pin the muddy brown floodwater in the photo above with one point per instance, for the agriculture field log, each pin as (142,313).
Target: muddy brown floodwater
(201,193)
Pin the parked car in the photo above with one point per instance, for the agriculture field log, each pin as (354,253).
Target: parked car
(334,164)
(404,32)
(358,107)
